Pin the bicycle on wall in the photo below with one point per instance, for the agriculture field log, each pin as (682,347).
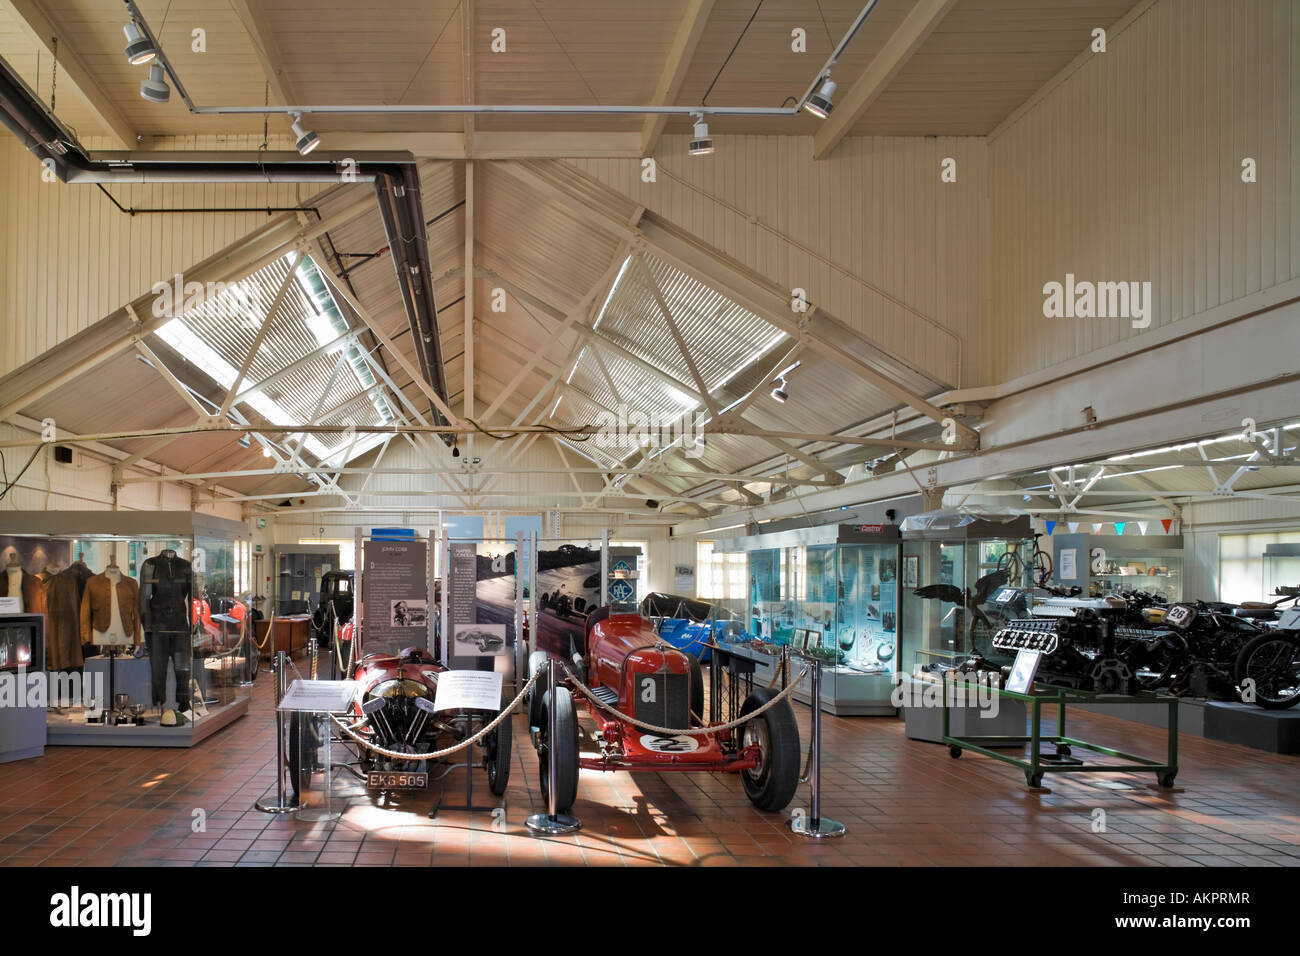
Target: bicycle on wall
(1014,566)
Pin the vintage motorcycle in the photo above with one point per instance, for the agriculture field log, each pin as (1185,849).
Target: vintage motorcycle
(1270,660)
(1201,641)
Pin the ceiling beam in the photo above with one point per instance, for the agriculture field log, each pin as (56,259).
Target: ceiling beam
(259,31)
(678,62)
(40,28)
(880,72)
(467,70)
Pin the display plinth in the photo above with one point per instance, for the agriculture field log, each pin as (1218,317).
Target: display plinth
(926,723)
(22,729)
(1276,731)
(69,729)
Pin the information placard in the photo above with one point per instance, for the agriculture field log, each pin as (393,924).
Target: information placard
(396,595)
(319,696)
(468,690)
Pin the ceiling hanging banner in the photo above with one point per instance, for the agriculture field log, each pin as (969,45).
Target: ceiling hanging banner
(1096,528)
(1167,523)
(1143,525)
(1051,525)
(1119,527)
(1073,526)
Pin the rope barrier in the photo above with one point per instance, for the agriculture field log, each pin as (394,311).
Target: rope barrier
(692,731)
(438,754)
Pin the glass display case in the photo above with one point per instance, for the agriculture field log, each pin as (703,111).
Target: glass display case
(299,569)
(142,616)
(1104,564)
(951,568)
(829,593)
(1281,568)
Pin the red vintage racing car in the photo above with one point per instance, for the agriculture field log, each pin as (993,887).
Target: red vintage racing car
(629,668)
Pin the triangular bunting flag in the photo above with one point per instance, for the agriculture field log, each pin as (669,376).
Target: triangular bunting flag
(1051,526)
(1096,529)
(1119,527)
(1167,523)
(1073,526)
(1143,525)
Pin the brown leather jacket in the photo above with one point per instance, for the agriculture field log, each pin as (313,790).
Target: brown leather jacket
(96,607)
(33,592)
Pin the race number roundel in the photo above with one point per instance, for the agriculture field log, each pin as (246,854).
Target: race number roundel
(681,744)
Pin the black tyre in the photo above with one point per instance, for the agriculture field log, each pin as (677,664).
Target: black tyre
(538,662)
(697,687)
(1035,780)
(954,752)
(300,753)
(772,784)
(497,757)
(566,750)
(1272,661)
(1166,780)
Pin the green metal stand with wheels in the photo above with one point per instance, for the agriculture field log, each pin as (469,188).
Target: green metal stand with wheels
(1034,767)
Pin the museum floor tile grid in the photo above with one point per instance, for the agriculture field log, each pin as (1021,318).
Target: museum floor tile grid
(905,803)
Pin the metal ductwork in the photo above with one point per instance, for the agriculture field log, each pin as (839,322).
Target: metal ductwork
(395,175)
(408,243)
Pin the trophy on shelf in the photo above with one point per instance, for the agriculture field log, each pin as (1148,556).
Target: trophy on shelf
(137,714)
(122,709)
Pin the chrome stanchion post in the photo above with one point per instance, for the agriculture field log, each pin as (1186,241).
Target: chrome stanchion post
(552,823)
(785,666)
(281,687)
(818,827)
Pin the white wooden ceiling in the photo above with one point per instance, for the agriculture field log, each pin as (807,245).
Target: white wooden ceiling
(982,60)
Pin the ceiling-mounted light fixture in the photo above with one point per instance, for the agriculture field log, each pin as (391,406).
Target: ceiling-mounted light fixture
(701,142)
(455,450)
(155,88)
(307,140)
(266,451)
(139,48)
(779,391)
(245,441)
(819,104)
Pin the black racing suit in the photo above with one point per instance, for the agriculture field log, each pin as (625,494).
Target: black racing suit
(166,590)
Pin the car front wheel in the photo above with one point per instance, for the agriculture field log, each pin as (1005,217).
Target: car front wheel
(772,784)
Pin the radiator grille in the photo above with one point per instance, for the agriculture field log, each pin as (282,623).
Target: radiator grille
(662,699)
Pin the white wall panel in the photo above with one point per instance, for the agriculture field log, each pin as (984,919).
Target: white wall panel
(1129,168)
(871,233)
(84,485)
(68,257)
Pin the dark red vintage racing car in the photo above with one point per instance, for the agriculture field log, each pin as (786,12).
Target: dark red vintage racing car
(629,668)
(394,697)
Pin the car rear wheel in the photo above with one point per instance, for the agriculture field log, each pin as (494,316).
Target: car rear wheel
(772,784)
(497,759)
(538,662)
(566,750)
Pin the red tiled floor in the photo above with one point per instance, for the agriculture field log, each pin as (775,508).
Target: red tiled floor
(905,804)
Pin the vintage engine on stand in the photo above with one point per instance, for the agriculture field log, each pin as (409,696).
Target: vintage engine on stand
(1084,643)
